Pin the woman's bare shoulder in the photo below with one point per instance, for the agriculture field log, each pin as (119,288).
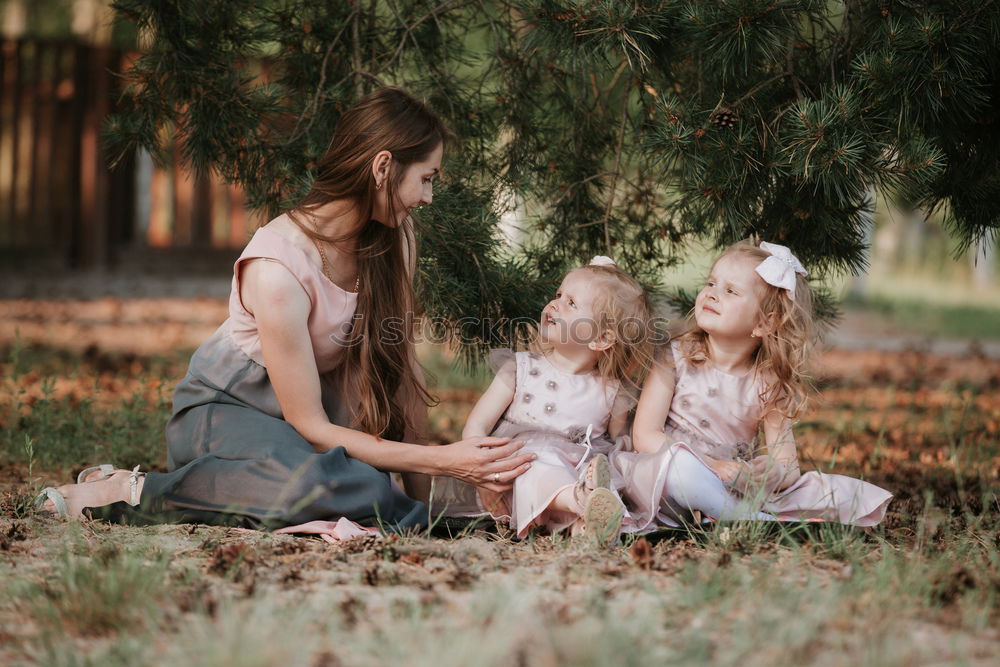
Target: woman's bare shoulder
(269,282)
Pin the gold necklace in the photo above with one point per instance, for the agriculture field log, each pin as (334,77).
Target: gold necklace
(326,265)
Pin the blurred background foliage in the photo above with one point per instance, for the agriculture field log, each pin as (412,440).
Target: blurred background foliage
(655,131)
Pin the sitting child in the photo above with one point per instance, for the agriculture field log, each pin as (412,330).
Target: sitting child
(739,368)
(567,402)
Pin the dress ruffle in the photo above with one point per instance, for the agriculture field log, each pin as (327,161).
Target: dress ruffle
(815,496)
(557,467)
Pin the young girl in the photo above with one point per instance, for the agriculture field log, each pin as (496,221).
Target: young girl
(567,402)
(738,369)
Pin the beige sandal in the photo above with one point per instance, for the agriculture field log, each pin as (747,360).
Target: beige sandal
(602,512)
(57,498)
(106,470)
(133,486)
(597,474)
(603,518)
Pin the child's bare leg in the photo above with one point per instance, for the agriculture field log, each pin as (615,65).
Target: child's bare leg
(566,501)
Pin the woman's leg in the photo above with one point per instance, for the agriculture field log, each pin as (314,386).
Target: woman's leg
(255,467)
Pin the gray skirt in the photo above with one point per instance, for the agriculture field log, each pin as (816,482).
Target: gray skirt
(233,459)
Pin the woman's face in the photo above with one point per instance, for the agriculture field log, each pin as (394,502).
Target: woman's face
(415,188)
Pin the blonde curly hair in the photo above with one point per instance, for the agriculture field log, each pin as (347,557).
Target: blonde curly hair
(785,350)
(623,310)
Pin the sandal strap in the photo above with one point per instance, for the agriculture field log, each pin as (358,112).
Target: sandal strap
(106,470)
(133,486)
(58,501)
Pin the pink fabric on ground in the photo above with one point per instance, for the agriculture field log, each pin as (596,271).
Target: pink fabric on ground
(332,531)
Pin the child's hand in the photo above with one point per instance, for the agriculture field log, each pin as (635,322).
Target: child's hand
(493,502)
(727,471)
(769,472)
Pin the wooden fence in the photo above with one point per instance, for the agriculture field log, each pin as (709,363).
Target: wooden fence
(61,207)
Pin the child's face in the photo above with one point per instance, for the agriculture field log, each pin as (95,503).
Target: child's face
(569,319)
(729,304)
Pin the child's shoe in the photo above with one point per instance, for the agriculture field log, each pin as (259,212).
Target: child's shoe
(602,511)
(603,517)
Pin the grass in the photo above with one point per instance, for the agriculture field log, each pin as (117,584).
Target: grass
(772,603)
(57,414)
(95,592)
(921,588)
(933,320)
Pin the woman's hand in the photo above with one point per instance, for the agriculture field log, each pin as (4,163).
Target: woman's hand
(487,462)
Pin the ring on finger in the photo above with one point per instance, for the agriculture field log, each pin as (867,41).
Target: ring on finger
(496,478)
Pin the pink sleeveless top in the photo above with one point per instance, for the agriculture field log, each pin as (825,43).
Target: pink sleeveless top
(330,315)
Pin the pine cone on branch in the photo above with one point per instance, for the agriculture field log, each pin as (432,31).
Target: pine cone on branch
(725,118)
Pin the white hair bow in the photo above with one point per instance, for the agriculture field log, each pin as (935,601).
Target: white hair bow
(602,260)
(780,268)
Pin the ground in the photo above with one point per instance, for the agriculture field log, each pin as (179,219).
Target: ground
(922,588)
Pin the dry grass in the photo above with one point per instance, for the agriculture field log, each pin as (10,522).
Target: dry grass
(921,589)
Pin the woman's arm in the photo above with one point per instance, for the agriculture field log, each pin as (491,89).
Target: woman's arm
(281,309)
(654,406)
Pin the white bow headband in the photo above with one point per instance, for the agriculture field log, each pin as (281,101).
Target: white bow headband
(780,268)
(602,260)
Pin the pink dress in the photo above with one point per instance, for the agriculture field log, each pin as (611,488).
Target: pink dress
(563,418)
(718,414)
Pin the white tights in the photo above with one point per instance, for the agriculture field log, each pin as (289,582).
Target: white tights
(691,485)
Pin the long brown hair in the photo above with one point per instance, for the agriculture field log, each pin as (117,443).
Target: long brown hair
(380,363)
(783,356)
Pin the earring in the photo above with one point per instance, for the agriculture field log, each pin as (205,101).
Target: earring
(378,186)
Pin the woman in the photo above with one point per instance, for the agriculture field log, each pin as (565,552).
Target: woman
(298,405)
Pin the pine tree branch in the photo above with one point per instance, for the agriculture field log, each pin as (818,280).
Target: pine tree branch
(617,75)
(408,28)
(790,68)
(569,188)
(359,89)
(372,18)
(758,87)
(313,106)
(617,172)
